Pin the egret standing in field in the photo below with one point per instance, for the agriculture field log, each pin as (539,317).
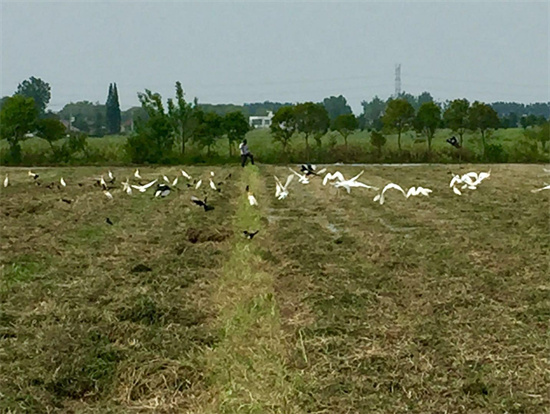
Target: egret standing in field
(63,183)
(212,185)
(6,181)
(251,199)
(197,186)
(108,194)
(137,175)
(185,175)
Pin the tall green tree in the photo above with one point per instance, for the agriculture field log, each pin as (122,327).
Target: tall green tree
(37,89)
(112,110)
(539,134)
(153,139)
(456,117)
(18,116)
(378,140)
(399,116)
(311,120)
(483,118)
(235,127)
(209,130)
(283,126)
(373,111)
(345,125)
(182,116)
(427,120)
(336,106)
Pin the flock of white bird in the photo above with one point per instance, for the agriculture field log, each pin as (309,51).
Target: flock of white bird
(458,184)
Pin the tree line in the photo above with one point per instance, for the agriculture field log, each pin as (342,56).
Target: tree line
(161,130)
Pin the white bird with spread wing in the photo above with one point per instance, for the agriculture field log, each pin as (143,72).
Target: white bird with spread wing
(302,178)
(281,191)
(136,174)
(126,187)
(143,188)
(347,184)
(546,187)
(413,191)
(469,180)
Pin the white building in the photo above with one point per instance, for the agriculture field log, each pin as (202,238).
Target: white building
(260,121)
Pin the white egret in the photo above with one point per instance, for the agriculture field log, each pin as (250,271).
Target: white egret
(165,178)
(546,187)
(281,191)
(212,185)
(111,176)
(103,183)
(197,186)
(347,184)
(414,191)
(136,174)
(302,178)
(380,197)
(108,194)
(63,183)
(185,175)
(251,199)
(175,182)
(212,173)
(143,188)
(6,181)
(335,176)
(126,187)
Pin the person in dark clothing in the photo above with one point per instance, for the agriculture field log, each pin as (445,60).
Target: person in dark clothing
(245,153)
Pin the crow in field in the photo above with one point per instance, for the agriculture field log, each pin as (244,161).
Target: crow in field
(66,200)
(201,203)
(108,221)
(250,235)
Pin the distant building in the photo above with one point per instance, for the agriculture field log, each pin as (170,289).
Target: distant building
(260,121)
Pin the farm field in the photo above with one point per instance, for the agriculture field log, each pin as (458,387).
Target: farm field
(434,304)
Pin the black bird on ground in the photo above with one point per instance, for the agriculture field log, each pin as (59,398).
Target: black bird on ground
(108,221)
(201,203)
(250,235)
(454,142)
(66,200)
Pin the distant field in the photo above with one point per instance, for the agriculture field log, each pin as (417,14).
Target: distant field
(109,150)
(339,304)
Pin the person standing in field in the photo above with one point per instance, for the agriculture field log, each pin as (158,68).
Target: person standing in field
(245,153)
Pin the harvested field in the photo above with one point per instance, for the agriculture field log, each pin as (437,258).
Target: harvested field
(436,304)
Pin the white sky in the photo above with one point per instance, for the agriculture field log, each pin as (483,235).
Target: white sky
(237,52)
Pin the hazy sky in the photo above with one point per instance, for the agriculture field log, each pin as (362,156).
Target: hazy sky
(237,52)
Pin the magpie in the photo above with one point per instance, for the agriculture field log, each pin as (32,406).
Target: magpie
(162,190)
(33,175)
(201,203)
(108,221)
(250,235)
(454,142)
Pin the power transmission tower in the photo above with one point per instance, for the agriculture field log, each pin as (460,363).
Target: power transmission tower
(397,79)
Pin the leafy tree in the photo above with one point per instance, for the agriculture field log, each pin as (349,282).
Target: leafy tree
(399,116)
(209,129)
(37,89)
(539,134)
(336,106)
(409,98)
(283,126)
(312,120)
(483,118)
(50,130)
(378,140)
(423,98)
(86,116)
(456,117)
(372,111)
(235,126)
(345,125)
(427,121)
(153,140)
(18,116)
(112,110)
(182,117)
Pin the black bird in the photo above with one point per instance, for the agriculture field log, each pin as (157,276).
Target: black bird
(108,221)
(201,203)
(454,142)
(228,177)
(249,235)
(162,190)
(66,200)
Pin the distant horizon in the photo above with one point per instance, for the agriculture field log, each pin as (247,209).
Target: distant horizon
(247,52)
